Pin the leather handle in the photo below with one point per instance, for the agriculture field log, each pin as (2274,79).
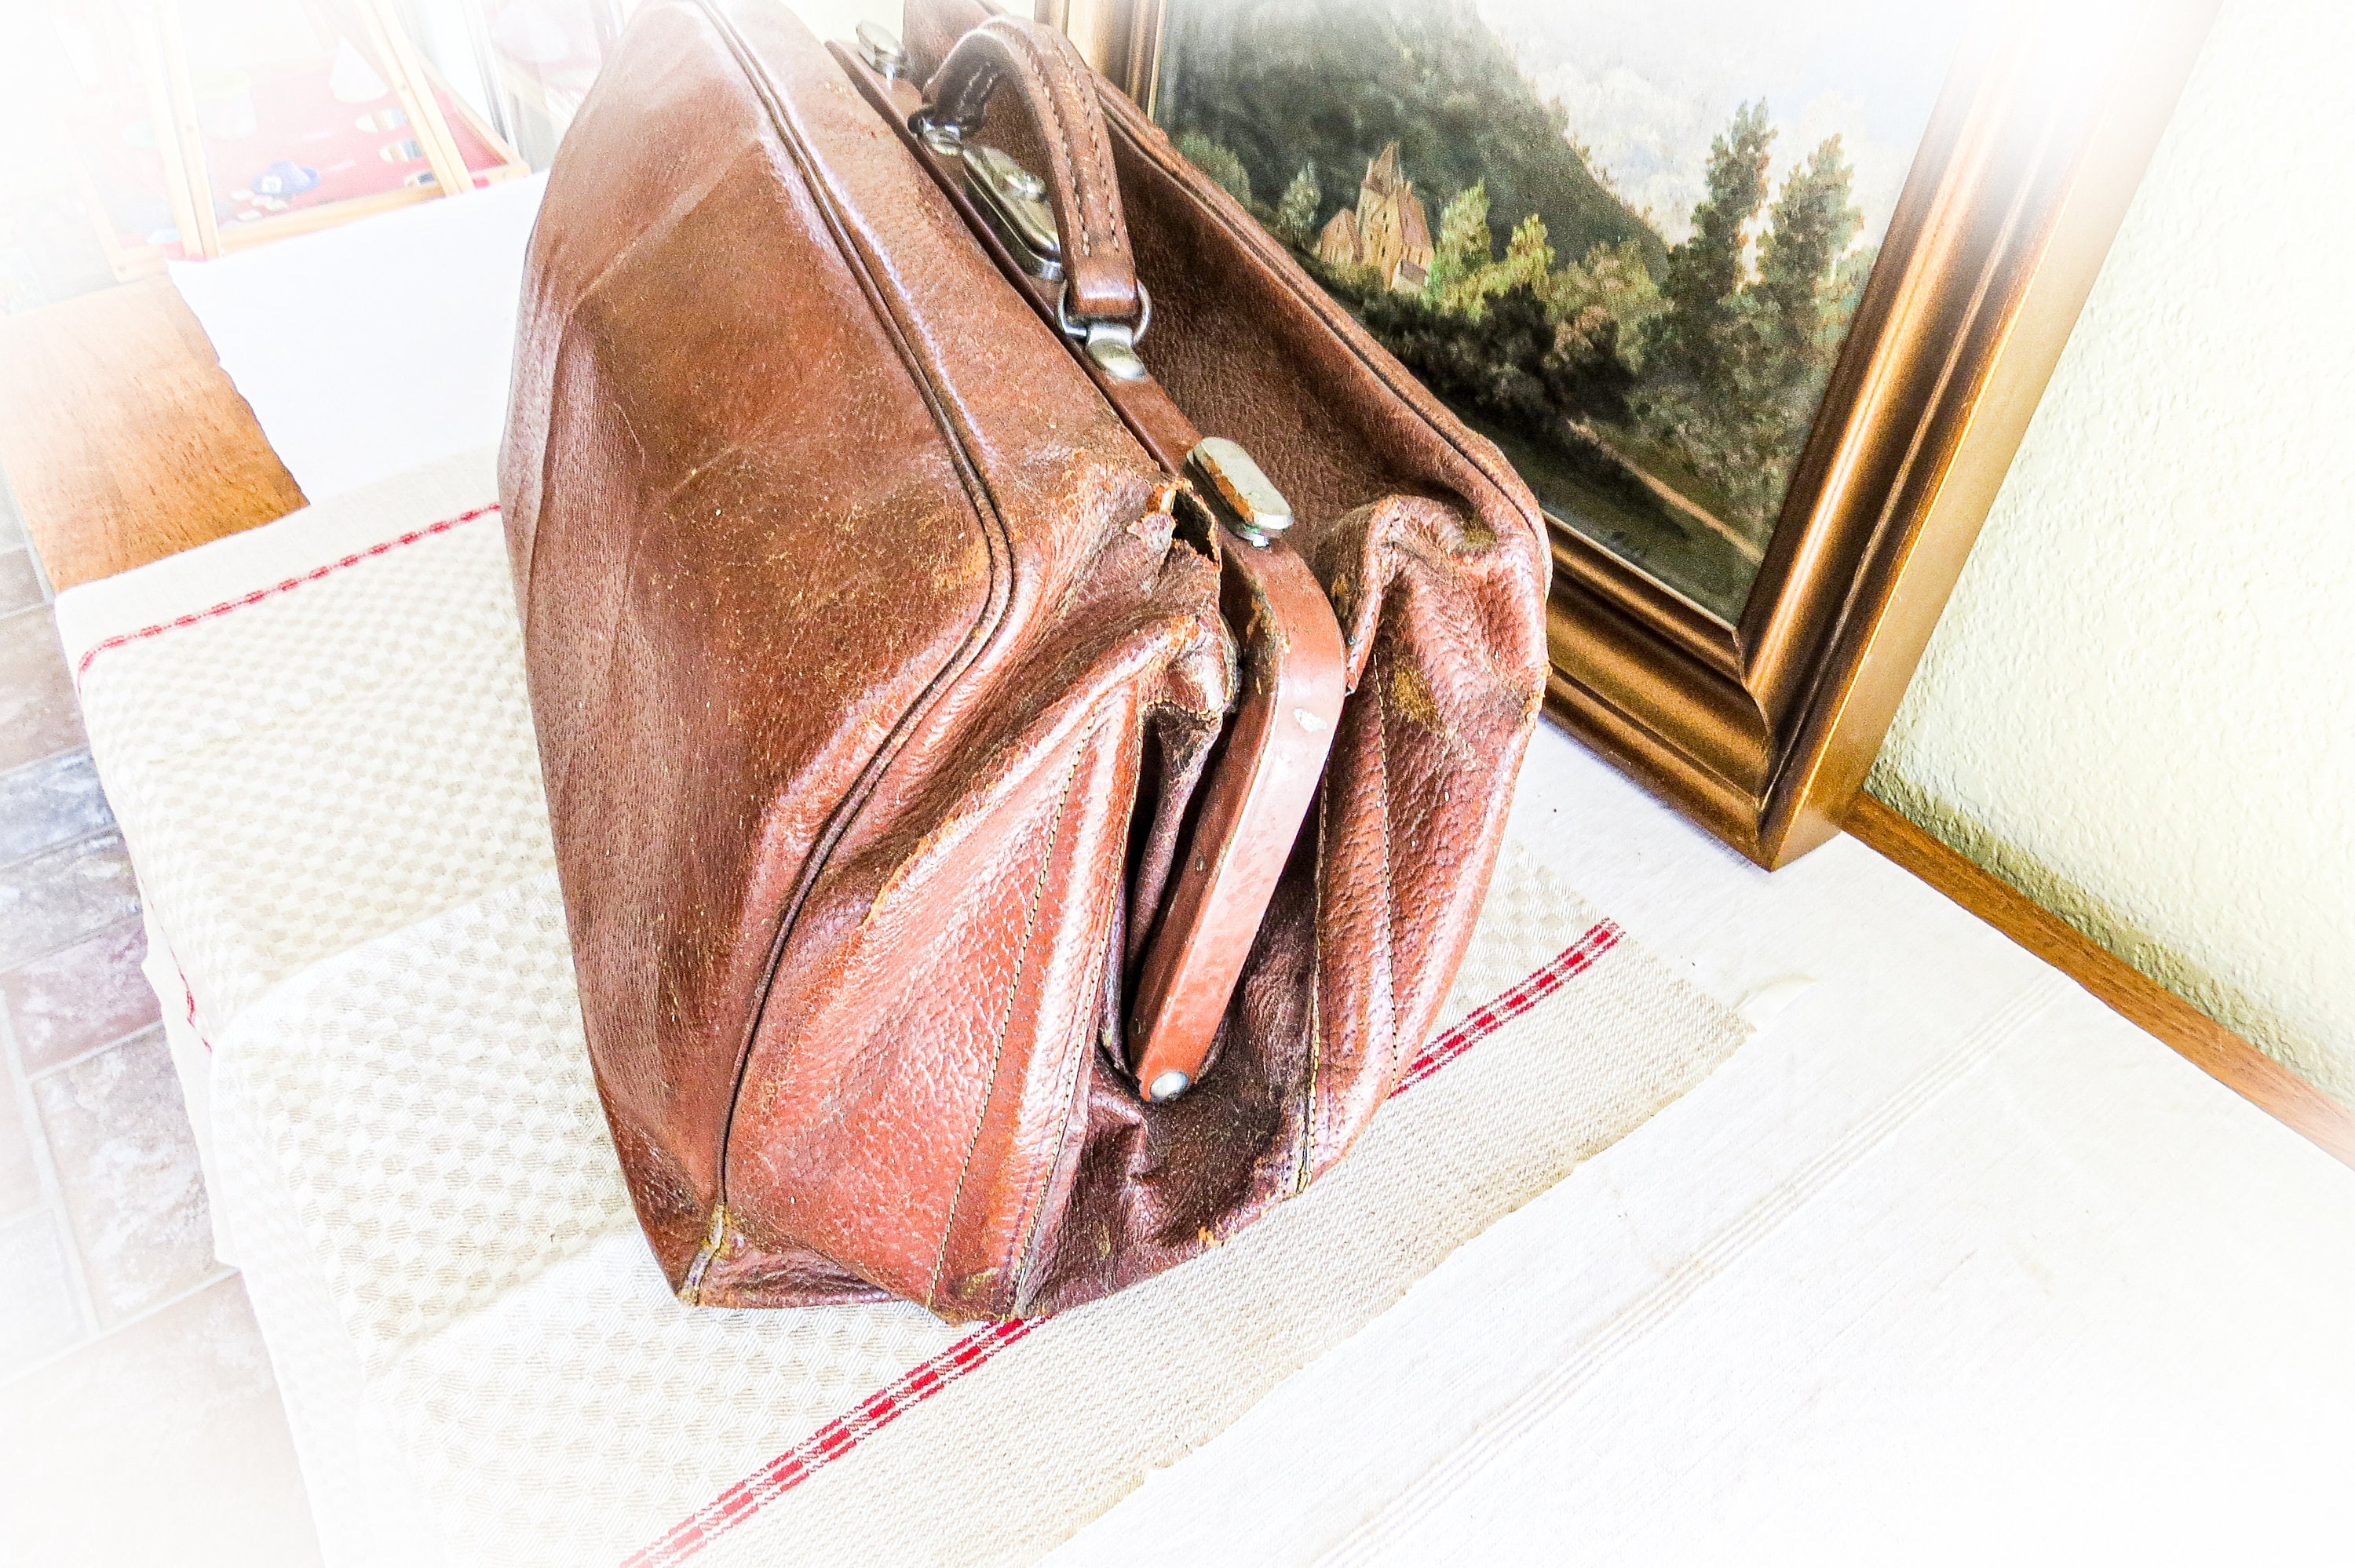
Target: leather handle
(1252,807)
(1047,77)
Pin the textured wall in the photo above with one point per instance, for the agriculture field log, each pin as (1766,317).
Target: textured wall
(2139,707)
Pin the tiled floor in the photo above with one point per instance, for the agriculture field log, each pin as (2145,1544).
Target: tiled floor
(139,1422)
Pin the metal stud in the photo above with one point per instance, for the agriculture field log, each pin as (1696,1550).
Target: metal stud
(1169,1086)
(1227,477)
(880,47)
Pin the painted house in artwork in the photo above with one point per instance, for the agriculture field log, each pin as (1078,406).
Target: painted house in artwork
(1389,232)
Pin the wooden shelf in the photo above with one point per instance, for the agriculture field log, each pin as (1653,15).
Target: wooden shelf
(123,438)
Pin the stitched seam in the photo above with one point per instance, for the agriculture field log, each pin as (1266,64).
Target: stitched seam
(1045,93)
(274,589)
(1042,65)
(1104,159)
(1005,1021)
(1390,891)
(986,83)
(988,515)
(985,77)
(1020,1245)
(1382,765)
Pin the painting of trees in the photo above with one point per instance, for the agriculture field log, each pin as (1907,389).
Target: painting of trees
(1655,394)
(1296,213)
(1738,359)
(1695,340)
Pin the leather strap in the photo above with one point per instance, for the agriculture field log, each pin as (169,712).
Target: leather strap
(1054,87)
(1252,804)
(1252,807)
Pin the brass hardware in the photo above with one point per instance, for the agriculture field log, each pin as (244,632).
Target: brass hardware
(1254,508)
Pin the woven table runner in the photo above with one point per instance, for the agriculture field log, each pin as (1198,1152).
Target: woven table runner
(316,739)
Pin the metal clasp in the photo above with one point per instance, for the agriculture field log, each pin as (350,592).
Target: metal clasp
(1013,201)
(880,47)
(1112,345)
(946,140)
(1238,489)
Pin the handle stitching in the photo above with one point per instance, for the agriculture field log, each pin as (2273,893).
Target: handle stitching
(1038,62)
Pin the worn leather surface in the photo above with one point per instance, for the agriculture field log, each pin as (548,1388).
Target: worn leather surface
(865,662)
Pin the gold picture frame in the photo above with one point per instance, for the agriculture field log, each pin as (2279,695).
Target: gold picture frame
(1763,731)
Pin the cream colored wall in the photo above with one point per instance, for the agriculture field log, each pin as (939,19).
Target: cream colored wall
(2140,705)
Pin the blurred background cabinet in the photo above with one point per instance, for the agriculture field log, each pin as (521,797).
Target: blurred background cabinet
(138,132)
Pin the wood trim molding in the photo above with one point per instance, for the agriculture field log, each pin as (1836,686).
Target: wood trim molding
(2206,1044)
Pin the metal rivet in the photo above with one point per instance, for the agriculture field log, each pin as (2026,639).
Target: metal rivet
(1169,1086)
(1011,201)
(880,47)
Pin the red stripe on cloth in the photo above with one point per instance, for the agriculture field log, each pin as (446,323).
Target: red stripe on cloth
(827,1443)
(1483,1021)
(846,1431)
(187,994)
(258,595)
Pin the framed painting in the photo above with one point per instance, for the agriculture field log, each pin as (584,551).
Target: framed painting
(1756,296)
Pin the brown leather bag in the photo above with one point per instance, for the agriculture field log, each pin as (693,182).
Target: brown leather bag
(931,719)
